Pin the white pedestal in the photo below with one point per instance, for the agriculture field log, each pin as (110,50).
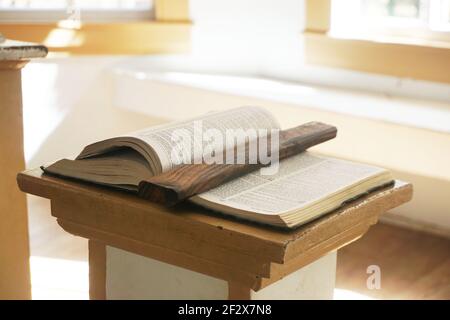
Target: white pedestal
(131,276)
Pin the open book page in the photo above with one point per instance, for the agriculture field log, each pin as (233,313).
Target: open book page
(301,180)
(160,138)
(121,168)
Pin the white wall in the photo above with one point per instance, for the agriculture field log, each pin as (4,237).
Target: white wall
(263,37)
(67,104)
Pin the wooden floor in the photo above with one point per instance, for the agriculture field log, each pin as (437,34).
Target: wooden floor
(413,265)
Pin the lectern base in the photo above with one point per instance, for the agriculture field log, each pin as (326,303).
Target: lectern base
(131,276)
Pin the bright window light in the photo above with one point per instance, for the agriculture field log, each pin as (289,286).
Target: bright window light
(420,19)
(440,16)
(82,4)
(59,279)
(342,294)
(86,10)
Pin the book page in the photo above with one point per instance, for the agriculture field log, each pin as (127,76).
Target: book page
(301,179)
(160,138)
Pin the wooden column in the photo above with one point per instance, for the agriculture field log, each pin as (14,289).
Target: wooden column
(14,249)
(97,270)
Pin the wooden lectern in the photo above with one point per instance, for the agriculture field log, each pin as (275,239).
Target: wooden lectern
(140,250)
(14,249)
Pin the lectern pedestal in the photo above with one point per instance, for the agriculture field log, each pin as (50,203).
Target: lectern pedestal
(132,276)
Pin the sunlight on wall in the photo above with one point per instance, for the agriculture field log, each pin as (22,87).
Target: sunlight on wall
(60,37)
(58,279)
(342,294)
(245,36)
(246,86)
(39,82)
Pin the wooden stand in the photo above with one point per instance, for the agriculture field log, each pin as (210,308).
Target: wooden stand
(138,249)
(14,250)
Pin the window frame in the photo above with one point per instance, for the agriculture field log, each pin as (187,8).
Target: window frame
(422,60)
(169,32)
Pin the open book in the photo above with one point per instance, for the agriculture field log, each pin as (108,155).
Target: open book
(304,187)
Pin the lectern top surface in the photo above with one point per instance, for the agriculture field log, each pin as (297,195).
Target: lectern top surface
(278,245)
(19,50)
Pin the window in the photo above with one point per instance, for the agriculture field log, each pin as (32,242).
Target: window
(416,19)
(402,38)
(99,26)
(85,10)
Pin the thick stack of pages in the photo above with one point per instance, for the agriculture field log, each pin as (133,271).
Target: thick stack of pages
(305,187)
